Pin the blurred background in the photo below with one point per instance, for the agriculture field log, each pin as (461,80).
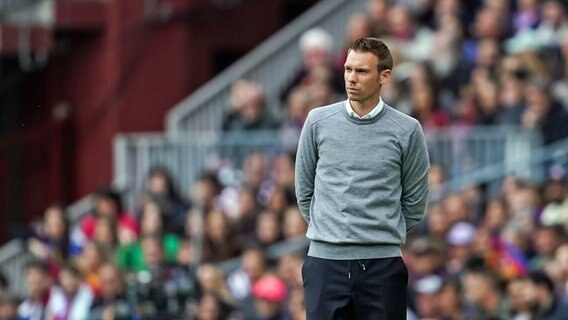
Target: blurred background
(147,153)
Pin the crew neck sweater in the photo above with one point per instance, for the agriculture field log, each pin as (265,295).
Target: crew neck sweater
(361,184)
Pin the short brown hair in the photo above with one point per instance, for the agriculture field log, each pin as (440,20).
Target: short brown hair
(376,47)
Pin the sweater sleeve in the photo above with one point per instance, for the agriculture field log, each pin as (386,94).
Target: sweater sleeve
(306,161)
(415,166)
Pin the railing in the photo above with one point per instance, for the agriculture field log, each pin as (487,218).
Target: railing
(10,6)
(529,165)
(458,150)
(185,155)
(510,150)
(273,64)
(14,255)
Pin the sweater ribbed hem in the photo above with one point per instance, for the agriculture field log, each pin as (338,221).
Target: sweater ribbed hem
(326,250)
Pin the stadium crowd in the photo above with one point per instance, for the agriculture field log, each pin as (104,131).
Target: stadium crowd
(475,256)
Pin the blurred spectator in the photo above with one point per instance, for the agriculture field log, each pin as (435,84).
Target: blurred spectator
(545,242)
(270,293)
(267,229)
(485,296)
(426,297)
(38,283)
(88,263)
(526,16)
(554,23)
(163,289)
(358,26)
(106,235)
(219,242)
(316,46)
(206,190)
(496,216)
(487,24)
(425,108)
(296,303)
(162,189)
(436,223)
(522,295)
(555,196)
(132,257)
(112,302)
(248,110)
(543,113)
(212,308)
(377,11)
(558,270)
(240,282)
(426,258)
(550,306)
(436,178)
(297,104)
(293,225)
(107,203)
(8,307)
(460,240)
(71,299)
(278,200)
(51,243)
(412,40)
(456,208)
(290,269)
(510,98)
(211,281)
(449,301)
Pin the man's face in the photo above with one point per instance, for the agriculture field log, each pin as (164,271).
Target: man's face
(35,281)
(111,284)
(69,282)
(362,78)
(152,251)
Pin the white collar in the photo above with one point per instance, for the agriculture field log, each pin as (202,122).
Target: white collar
(369,115)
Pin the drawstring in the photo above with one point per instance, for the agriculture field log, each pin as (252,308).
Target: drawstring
(360,264)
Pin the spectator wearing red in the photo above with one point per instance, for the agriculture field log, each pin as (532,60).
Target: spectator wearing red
(107,203)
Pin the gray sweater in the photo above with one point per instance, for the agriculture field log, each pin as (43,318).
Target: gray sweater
(361,184)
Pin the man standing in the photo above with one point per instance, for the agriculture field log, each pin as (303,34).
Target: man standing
(361,184)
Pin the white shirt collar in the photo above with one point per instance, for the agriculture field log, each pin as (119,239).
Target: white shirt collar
(369,115)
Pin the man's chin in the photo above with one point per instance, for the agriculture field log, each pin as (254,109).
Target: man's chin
(354,98)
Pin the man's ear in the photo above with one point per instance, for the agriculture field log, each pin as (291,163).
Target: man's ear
(385,76)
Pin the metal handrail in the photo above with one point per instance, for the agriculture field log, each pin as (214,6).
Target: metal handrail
(185,154)
(14,255)
(537,159)
(273,64)
(9,6)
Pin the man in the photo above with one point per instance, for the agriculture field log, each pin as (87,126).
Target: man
(269,298)
(71,299)
(551,306)
(361,183)
(38,282)
(112,302)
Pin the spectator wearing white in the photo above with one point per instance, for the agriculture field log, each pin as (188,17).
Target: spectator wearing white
(70,300)
(38,282)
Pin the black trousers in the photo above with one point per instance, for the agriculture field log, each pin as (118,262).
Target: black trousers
(374,289)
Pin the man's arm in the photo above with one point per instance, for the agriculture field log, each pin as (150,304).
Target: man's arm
(415,165)
(306,161)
